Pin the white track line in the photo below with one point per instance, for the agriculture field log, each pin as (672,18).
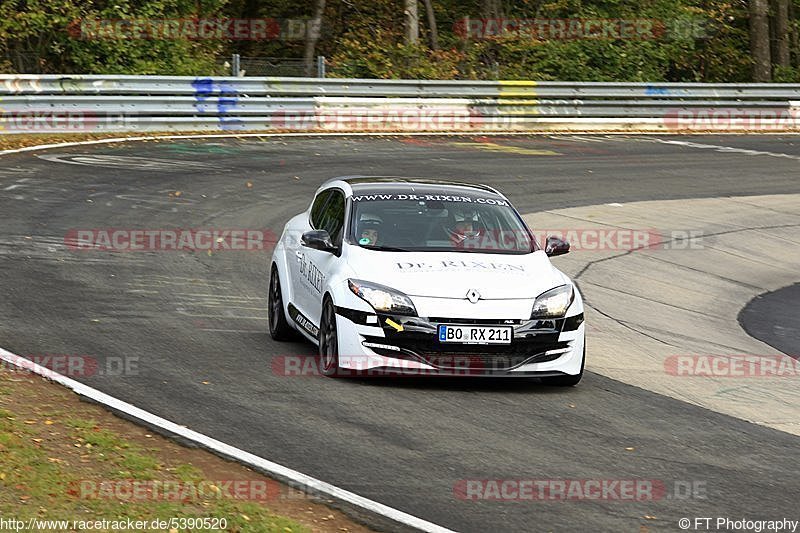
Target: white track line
(364,134)
(719,148)
(227,450)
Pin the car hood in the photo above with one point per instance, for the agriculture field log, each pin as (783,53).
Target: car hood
(453,274)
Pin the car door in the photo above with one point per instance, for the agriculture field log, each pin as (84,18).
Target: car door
(318,264)
(298,260)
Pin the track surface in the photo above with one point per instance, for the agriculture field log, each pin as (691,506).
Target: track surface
(774,318)
(195,318)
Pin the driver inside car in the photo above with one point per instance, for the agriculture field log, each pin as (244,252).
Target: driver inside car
(464,226)
(369,230)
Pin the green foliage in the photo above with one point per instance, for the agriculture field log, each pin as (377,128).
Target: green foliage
(44,36)
(365,58)
(786,75)
(692,40)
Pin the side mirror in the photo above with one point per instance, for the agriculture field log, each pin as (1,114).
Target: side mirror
(556,246)
(318,239)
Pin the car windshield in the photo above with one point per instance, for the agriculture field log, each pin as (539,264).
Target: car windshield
(438,222)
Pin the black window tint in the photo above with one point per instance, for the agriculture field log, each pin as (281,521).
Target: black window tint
(332,219)
(317,209)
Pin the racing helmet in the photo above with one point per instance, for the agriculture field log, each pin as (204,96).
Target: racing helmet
(367,222)
(464,224)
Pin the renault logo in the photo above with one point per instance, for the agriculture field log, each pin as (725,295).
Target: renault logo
(473,296)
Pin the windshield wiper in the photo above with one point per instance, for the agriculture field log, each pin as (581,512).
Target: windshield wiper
(381,248)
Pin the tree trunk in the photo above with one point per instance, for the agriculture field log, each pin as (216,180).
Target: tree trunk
(411,21)
(759,40)
(433,32)
(780,25)
(793,39)
(491,9)
(313,32)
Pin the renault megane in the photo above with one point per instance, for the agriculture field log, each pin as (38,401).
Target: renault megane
(413,276)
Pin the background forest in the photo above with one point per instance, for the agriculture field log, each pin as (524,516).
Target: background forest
(692,40)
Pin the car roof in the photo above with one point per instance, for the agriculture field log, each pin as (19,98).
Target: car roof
(394,184)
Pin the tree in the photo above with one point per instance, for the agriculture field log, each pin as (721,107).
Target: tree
(411,21)
(86,37)
(759,40)
(313,31)
(491,8)
(433,32)
(780,26)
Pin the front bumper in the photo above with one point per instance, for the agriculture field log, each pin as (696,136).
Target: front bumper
(402,345)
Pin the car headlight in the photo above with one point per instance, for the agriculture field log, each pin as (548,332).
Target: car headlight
(382,298)
(553,303)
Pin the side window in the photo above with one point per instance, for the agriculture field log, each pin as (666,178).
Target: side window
(332,219)
(317,209)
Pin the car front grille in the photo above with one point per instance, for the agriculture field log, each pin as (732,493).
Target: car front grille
(477,357)
(489,358)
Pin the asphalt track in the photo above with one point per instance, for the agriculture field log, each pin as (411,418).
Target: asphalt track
(774,318)
(197,324)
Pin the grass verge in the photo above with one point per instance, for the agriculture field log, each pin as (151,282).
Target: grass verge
(64,459)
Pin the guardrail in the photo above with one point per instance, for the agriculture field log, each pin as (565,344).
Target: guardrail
(34,103)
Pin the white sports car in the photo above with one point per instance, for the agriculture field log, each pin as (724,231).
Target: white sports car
(406,276)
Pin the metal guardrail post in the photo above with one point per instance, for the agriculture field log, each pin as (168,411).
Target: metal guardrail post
(320,66)
(235,62)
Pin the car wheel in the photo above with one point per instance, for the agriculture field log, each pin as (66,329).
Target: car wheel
(567,380)
(328,341)
(279,328)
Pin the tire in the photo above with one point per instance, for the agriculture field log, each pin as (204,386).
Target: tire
(566,380)
(328,341)
(279,328)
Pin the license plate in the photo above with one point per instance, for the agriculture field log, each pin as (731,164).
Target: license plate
(475,334)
